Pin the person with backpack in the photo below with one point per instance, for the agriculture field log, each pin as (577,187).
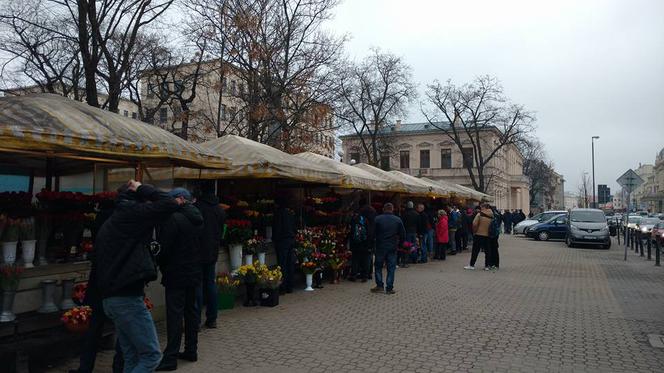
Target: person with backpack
(442,236)
(361,240)
(483,226)
(426,233)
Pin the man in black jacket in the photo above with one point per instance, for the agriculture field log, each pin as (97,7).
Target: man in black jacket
(283,236)
(213,227)
(390,234)
(362,240)
(123,265)
(180,265)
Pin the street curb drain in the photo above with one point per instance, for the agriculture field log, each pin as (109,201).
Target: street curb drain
(656,340)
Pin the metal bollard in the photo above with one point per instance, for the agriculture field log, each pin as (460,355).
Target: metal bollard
(657,252)
(618,235)
(649,247)
(631,241)
(641,244)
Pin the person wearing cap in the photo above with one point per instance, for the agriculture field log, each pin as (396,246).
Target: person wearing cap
(179,261)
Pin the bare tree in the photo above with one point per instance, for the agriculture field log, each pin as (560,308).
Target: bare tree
(540,172)
(372,93)
(478,115)
(583,187)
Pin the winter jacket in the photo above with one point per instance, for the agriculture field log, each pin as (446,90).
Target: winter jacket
(454,218)
(214,218)
(442,233)
(426,223)
(390,233)
(482,222)
(412,221)
(180,239)
(123,263)
(283,228)
(369,214)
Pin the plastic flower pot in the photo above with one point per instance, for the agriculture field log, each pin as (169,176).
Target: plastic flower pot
(48,291)
(235,256)
(7,313)
(226,301)
(261,258)
(77,328)
(310,280)
(249,296)
(28,252)
(67,291)
(9,252)
(269,297)
(248,259)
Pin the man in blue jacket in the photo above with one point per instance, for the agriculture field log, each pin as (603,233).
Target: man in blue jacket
(390,234)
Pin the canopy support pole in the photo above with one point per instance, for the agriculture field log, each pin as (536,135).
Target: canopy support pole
(138,172)
(48,180)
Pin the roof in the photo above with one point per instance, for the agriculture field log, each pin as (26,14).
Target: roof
(49,124)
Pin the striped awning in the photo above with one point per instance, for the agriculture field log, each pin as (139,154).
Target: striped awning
(52,125)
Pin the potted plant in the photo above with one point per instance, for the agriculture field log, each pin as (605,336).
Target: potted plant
(10,275)
(10,240)
(77,319)
(309,268)
(249,276)
(227,288)
(269,281)
(28,241)
(238,231)
(321,260)
(78,296)
(251,247)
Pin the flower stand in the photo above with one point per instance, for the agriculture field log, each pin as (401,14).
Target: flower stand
(269,297)
(7,314)
(310,280)
(248,259)
(48,291)
(235,256)
(9,252)
(67,291)
(261,258)
(249,296)
(226,301)
(28,252)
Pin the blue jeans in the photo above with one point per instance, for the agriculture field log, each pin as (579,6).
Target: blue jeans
(389,258)
(427,245)
(452,241)
(207,293)
(136,333)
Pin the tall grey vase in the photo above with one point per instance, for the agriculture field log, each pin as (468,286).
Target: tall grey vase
(7,314)
(67,290)
(48,293)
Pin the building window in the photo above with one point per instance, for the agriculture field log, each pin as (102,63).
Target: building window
(125,113)
(385,162)
(445,158)
(163,115)
(134,115)
(233,88)
(355,157)
(424,158)
(224,85)
(223,112)
(404,159)
(232,111)
(164,89)
(179,86)
(467,157)
(241,88)
(150,90)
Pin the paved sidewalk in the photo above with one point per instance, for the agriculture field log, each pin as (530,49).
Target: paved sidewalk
(548,309)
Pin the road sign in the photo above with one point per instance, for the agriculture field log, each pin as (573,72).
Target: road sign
(630,181)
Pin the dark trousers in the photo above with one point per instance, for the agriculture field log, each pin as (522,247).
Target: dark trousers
(495,257)
(441,251)
(286,260)
(481,243)
(207,294)
(390,260)
(181,303)
(91,341)
(461,240)
(361,261)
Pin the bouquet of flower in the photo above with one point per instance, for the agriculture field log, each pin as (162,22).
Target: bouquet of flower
(238,231)
(10,275)
(87,246)
(309,268)
(247,274)
(253,245)
(320,259)
(408,248)
(269,278)
(27,229)
(226,283)
(11,231)
(77,316)
(337,260)
(79,293)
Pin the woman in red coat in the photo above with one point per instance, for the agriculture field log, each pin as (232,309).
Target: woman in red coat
(442,235)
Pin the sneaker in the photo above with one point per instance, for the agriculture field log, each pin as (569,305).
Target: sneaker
(390,291)
(211,324)
(487,268)
(469,267)
(494,268)
(377,289)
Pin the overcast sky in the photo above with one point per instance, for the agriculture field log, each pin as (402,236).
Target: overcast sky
(591,67)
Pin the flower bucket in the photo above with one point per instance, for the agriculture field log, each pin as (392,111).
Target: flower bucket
(310,281)
(269,297)
(48,291)
(261,258)
(28,252)
(235,256)
(7,314)
(268,233)
(77,328)
(9,252)
(67,291)
(226,301)
(248,259)
(249,296)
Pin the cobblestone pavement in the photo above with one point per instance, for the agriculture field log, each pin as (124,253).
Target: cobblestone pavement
(548,309)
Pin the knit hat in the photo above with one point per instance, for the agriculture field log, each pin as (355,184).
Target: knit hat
(180,192)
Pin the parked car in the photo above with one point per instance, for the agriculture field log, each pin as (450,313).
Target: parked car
(556,227)
(539,218)
(657,233)
(587,226)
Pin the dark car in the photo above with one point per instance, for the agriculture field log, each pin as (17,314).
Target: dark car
(588,226)
(555,227)
(657,233)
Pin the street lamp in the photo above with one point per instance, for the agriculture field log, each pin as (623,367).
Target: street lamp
(593,146)
(585,189)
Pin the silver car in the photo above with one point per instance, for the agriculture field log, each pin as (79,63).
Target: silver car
(588,226)
(539,218)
